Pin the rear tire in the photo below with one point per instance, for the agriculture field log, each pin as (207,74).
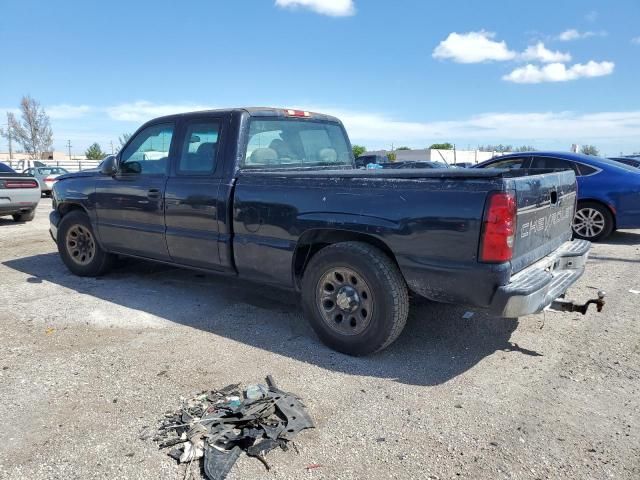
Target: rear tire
(24,217)
(593,221)
(355,298)
(78,247)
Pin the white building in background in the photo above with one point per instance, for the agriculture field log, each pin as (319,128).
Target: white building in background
(45,157)
(450,157)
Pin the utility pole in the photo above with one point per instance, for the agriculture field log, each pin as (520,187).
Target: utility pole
(69,147)
(9,137)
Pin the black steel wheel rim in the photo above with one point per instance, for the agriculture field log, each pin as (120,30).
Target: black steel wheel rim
(80,244)
(344,300)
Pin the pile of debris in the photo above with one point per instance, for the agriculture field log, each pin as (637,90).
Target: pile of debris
(221,424)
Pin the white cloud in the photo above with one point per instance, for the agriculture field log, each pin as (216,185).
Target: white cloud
(540,53)
(558,72)
(142,111)
(547,129)
(65,111)
(592,16)
(333,8)
(635,40)
(473,47)
(573,34)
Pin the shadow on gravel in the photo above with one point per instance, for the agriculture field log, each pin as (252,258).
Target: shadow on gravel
(436,346)
(622,238)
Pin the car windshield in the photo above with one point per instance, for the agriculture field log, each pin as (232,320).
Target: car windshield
(6,169)
(294,143)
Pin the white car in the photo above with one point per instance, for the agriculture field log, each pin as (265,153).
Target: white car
(19,194)
(46,176)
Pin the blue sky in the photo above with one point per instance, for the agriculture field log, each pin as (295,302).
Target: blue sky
(408,72)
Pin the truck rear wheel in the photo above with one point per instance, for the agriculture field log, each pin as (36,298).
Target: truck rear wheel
(79,248)
(355,298)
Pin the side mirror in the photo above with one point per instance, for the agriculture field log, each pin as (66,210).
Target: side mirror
(109,166)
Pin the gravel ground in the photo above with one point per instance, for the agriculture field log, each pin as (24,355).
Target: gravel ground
(86,364)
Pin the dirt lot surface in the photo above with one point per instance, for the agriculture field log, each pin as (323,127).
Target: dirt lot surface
(86,364)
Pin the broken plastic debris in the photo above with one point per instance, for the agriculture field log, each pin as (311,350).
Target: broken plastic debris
(634,291)
(256,392)
(220,425)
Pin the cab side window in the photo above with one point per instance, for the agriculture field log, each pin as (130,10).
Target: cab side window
(148,151)
(200,148)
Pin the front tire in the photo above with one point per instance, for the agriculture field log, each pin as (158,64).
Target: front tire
(355,298)
(79,248)
(593,221)
(24,217)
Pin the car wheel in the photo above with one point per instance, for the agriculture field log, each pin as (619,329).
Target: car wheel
(355,298)
(78,247)
(593,221)
(24,217)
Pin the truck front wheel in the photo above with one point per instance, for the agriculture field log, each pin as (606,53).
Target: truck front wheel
(78,247)
(355,298)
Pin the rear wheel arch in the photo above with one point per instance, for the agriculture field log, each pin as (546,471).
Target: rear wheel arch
(312,241)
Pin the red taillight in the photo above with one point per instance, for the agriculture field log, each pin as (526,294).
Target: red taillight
(50,179)
(297,113)
(20,184)
(498,228)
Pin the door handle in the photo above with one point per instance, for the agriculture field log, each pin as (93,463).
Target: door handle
(153,193)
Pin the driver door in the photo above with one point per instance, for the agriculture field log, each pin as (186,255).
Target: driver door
(130,205)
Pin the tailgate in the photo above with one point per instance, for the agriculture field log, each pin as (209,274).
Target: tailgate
(546,205)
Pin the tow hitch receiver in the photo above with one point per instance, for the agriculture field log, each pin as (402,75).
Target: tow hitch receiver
(562,305)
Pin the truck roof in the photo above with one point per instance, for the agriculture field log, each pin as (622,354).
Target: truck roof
(252,111)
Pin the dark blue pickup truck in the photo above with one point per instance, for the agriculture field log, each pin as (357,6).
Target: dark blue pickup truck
(273,196)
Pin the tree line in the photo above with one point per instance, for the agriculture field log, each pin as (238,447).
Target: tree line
(33,135)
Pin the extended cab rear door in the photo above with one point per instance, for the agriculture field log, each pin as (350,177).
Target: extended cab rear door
(192,197)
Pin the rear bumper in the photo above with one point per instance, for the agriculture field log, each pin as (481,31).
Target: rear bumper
(534,288)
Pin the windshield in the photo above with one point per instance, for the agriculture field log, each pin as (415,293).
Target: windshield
(296,143)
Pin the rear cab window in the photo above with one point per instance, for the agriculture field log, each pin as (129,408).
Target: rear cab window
(296,143)
(200,148)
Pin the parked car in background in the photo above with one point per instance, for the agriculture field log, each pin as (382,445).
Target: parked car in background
(409,164)
(463,165)
(47,176)
(364,160)
(21,165)
(632,161)
(608,191)
(19,194)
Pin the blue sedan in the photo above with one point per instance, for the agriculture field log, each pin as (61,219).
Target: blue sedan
(608,191)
